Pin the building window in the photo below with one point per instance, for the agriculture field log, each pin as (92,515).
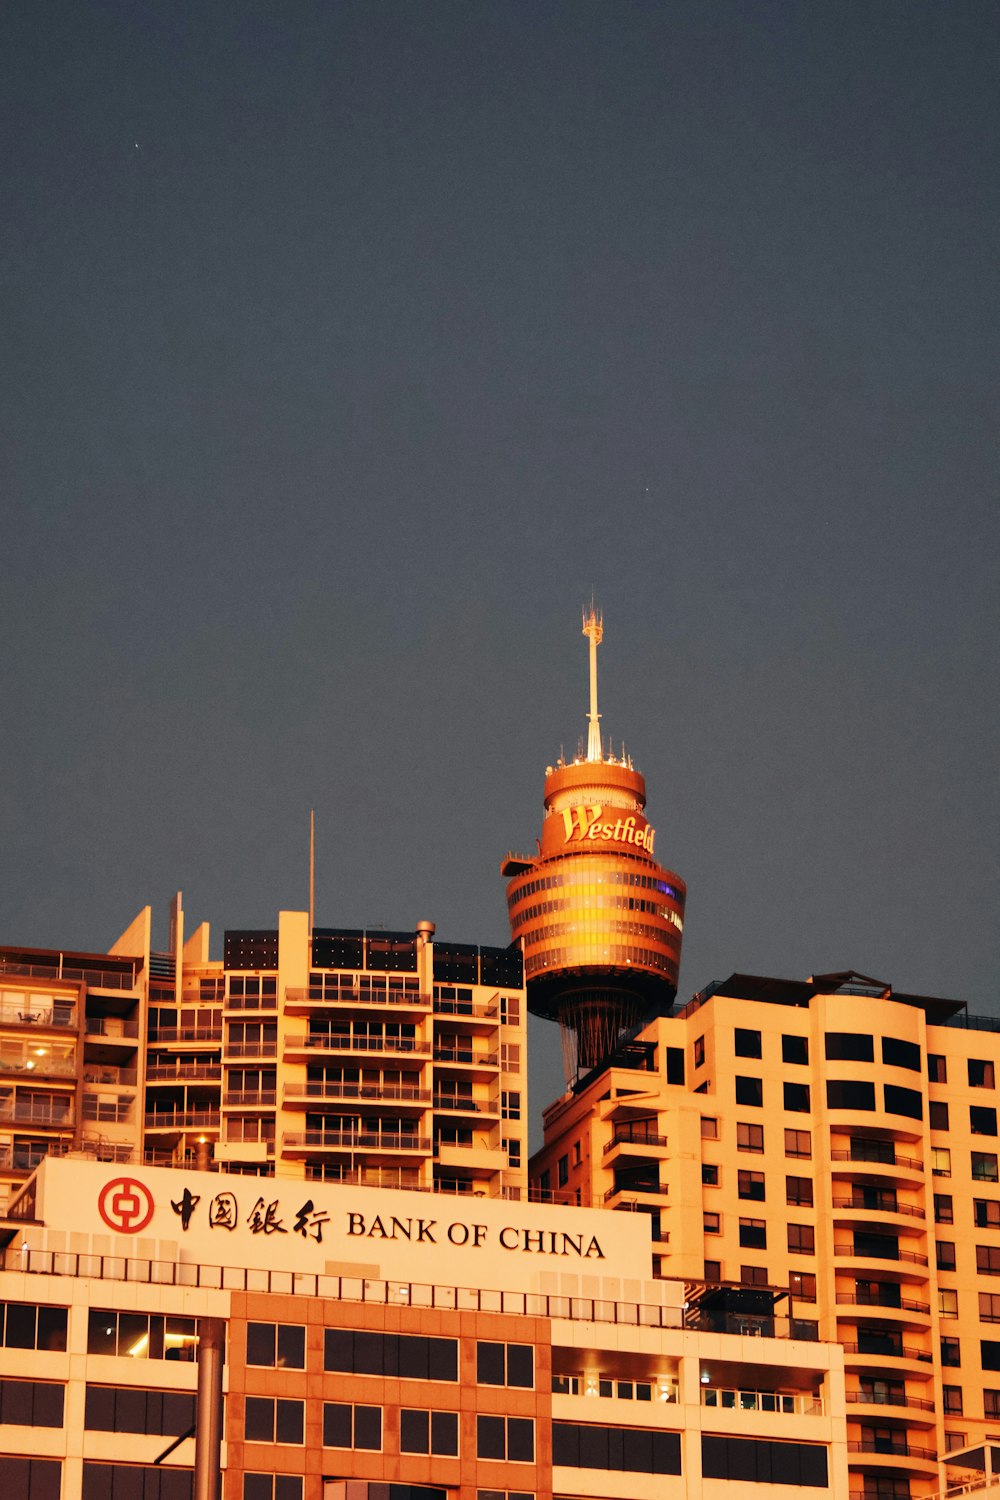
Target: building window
(944,1210)
(951,1353)
(408,1356)
(751,1185)
(709,1128)
(753,1275)
(747,1043)
(506,1439)
(899,1054)
(712,1223)
(989,1351)
(762,1460)
(510,1104)
(802,1285)
(945,1255)
(713,1270)
(849,1046)
(940,1161)
(937,1068)
(801,1239)
(141,1335)
(947,1302)
(270,1420)
(513,1149)
(750,1091)
(632,1450)
(100,1481)
(276,1346)
(981,1073)
(753,1234)
(850,1093)
(796,1098)
(506,1364)
(710,1174)
(110,1408)
(953,1440)
(984,1166)
(952,1399)
(750,1138)
(26,1325)
(991,1404)
(272,1487)
(699,1052)
(799,1191)
(562,1171)
(982,1120)
(434,1432)
(900,1101)
(31,1403)
(346,1426)
(798,1143)
(577,1153)
(988,1260)
(937,1114)
(795,1049)
(986,1213)
(989,1307)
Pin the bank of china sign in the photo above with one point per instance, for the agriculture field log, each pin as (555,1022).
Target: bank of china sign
(127,1206)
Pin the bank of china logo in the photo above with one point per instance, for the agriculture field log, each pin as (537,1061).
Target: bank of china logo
(125,1205)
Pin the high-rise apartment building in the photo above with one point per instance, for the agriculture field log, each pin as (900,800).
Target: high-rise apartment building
(364,1057)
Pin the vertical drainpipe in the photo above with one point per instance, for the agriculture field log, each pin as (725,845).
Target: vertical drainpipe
(208,1415)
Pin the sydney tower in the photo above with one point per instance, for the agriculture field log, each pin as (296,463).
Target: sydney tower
(599,920)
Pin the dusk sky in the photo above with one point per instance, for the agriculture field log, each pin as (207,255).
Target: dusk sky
(348,347)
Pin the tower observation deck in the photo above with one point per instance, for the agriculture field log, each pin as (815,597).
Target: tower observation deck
(598,919)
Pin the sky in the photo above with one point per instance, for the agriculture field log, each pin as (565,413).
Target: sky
(348,348)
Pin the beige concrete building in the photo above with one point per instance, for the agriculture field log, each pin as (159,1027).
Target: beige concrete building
(383,1343)
(835,1139)
(378,1058)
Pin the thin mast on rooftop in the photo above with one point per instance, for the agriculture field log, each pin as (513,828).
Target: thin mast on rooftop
(593,629)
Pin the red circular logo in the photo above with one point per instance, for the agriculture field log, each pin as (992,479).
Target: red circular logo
(125,1205)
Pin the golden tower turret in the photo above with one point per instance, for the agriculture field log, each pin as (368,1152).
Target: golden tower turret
(599,920)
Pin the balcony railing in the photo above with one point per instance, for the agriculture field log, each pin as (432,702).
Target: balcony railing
(888,1398)
(107,1111)
(316,995)
(902,1351)
(182,1119)
(114,1030)
(125,1077)
(799,1403)
(101,979)
(894,1449)
(249,1098)
(634,1190)
(206,1072)
(862,1299)
(167,1034)
(879,1153)
(479,1010)
(325,1042)
(54,1116)
(908,1209)
(391,1092)
(37,1015)
(41,1067)
(629,1135)
(347,1140)
(467,1055)
(467,1106)
(911,1257)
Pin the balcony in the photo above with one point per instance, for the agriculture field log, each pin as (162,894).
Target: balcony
(870,1350)
(55,1116)
(641,1141)
(900,1448)
(469,1010)
(200,1036)
(38,1062)
(883,1205)
(316,998)
(877,1153)
(249,1098)
(116,1111)
(862,1299)
(101,979)
(905,1257)
(37,1011)
(455,1104)
(119,1077)
(889,1398)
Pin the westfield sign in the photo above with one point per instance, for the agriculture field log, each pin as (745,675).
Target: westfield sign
(586,824)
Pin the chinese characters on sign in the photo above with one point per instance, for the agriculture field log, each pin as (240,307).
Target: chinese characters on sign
(263,1218)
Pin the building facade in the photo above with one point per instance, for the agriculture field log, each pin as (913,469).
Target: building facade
(365,1057)
(838,1139)
(384,1343)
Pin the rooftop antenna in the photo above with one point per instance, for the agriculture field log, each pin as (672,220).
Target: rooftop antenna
(593,629)
(312,869)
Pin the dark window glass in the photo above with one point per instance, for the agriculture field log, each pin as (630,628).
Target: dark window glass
(850,1094)
(444,1433)
(799,1190)
(259,1419)
(20,1325)
(675,1065)
(750,1091)
(99,1408)
(291,1346)
(988,1260)
(796,1097)
(989,1354)
(945,1251)
(747,1043)
(986,1213)
(753,1234)
(337,1425)
(906,1102)
(709,1174)
(984,1166)
(414,1358)
(899,1054)
(937,1112)
(625,1449)
(520,1440)
(937,1068)
(849,1046)
(795,1049)
(981,1074)
(414,1431)
(260,1344)
(751,1185)
(750,1138)
(52,1328)
(289,1426)
(490,1437)
(520,1365)
(944,1212)
(982,1121)
(490,1364)
(761,1461)
(951,1354)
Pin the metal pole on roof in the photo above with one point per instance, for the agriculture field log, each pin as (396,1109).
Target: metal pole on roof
(208,1410)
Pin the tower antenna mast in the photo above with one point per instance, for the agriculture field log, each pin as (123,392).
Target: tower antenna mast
(593,629)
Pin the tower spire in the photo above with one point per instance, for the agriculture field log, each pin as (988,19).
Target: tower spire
(593,629)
